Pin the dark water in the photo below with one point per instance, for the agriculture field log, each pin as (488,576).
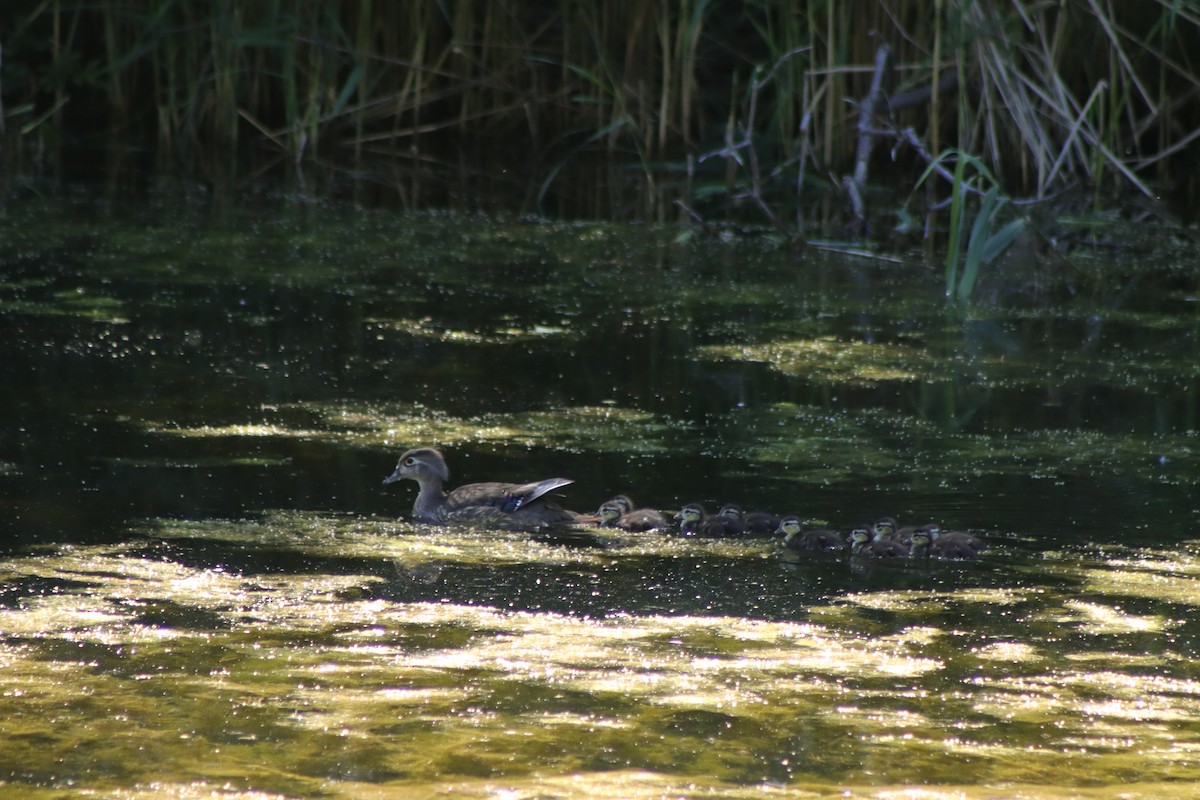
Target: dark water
(207,590)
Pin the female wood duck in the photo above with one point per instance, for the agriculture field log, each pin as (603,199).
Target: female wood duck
(863,545)
(506,505)
(812,540)
(620,513)
(694,521)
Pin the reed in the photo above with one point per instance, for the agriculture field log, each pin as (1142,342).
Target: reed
(1048,94)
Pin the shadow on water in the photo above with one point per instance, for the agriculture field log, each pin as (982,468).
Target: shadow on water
(206,589)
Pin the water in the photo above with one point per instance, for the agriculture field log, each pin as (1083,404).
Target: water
(207,591)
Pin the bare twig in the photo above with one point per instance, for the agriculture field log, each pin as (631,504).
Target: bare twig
(733,149)
(867,132)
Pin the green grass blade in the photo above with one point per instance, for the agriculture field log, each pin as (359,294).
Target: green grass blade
(975,245)
(999,241)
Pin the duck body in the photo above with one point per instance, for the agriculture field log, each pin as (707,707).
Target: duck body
(519,506)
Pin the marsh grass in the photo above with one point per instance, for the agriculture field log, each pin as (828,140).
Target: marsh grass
(1048,95)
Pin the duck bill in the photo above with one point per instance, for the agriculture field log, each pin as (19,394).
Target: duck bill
(395,476)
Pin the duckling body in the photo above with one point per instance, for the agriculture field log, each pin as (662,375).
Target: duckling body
(760,523)
(795,537)
(519,506)
(956,544)
(620,513)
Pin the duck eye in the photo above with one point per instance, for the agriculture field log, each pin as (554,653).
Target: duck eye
(408,462)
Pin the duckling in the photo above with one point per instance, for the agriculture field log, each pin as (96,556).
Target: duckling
(731,515)
(813,539)
(904,535)
(883,528)
(508,505)
(863,546)
(760,523)
(694,521)
(955,544)
(888,528)
(623,502)
(919,545)
(619,513)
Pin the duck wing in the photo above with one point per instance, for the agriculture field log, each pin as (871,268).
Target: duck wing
(504,497)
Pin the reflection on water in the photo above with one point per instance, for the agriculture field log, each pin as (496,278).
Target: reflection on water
(206,592)
(370,652)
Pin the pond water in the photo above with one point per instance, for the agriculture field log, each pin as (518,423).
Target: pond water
(207,592)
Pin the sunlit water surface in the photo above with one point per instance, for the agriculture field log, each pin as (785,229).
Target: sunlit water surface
(206,592)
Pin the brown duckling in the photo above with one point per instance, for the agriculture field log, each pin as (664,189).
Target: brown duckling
(620,513)
(518,506)
(755,523)
(919,545)
(622,501)
(883,528)
(905,534)
(694,521)
(731,515)
(864,546)
(888,528)
(795,537)
(955,544)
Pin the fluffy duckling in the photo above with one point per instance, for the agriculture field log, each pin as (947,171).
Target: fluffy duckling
(919,546)
(929,542)
(905,535)
(955,544)
(731,515)
(620,513)
(520,506)
(888,528)
(694,521)
(622,502)
(883,528)
(812,540)
(750,523)
(759,523)
(863,545)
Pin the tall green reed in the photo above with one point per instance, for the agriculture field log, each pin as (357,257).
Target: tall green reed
(1049,93)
